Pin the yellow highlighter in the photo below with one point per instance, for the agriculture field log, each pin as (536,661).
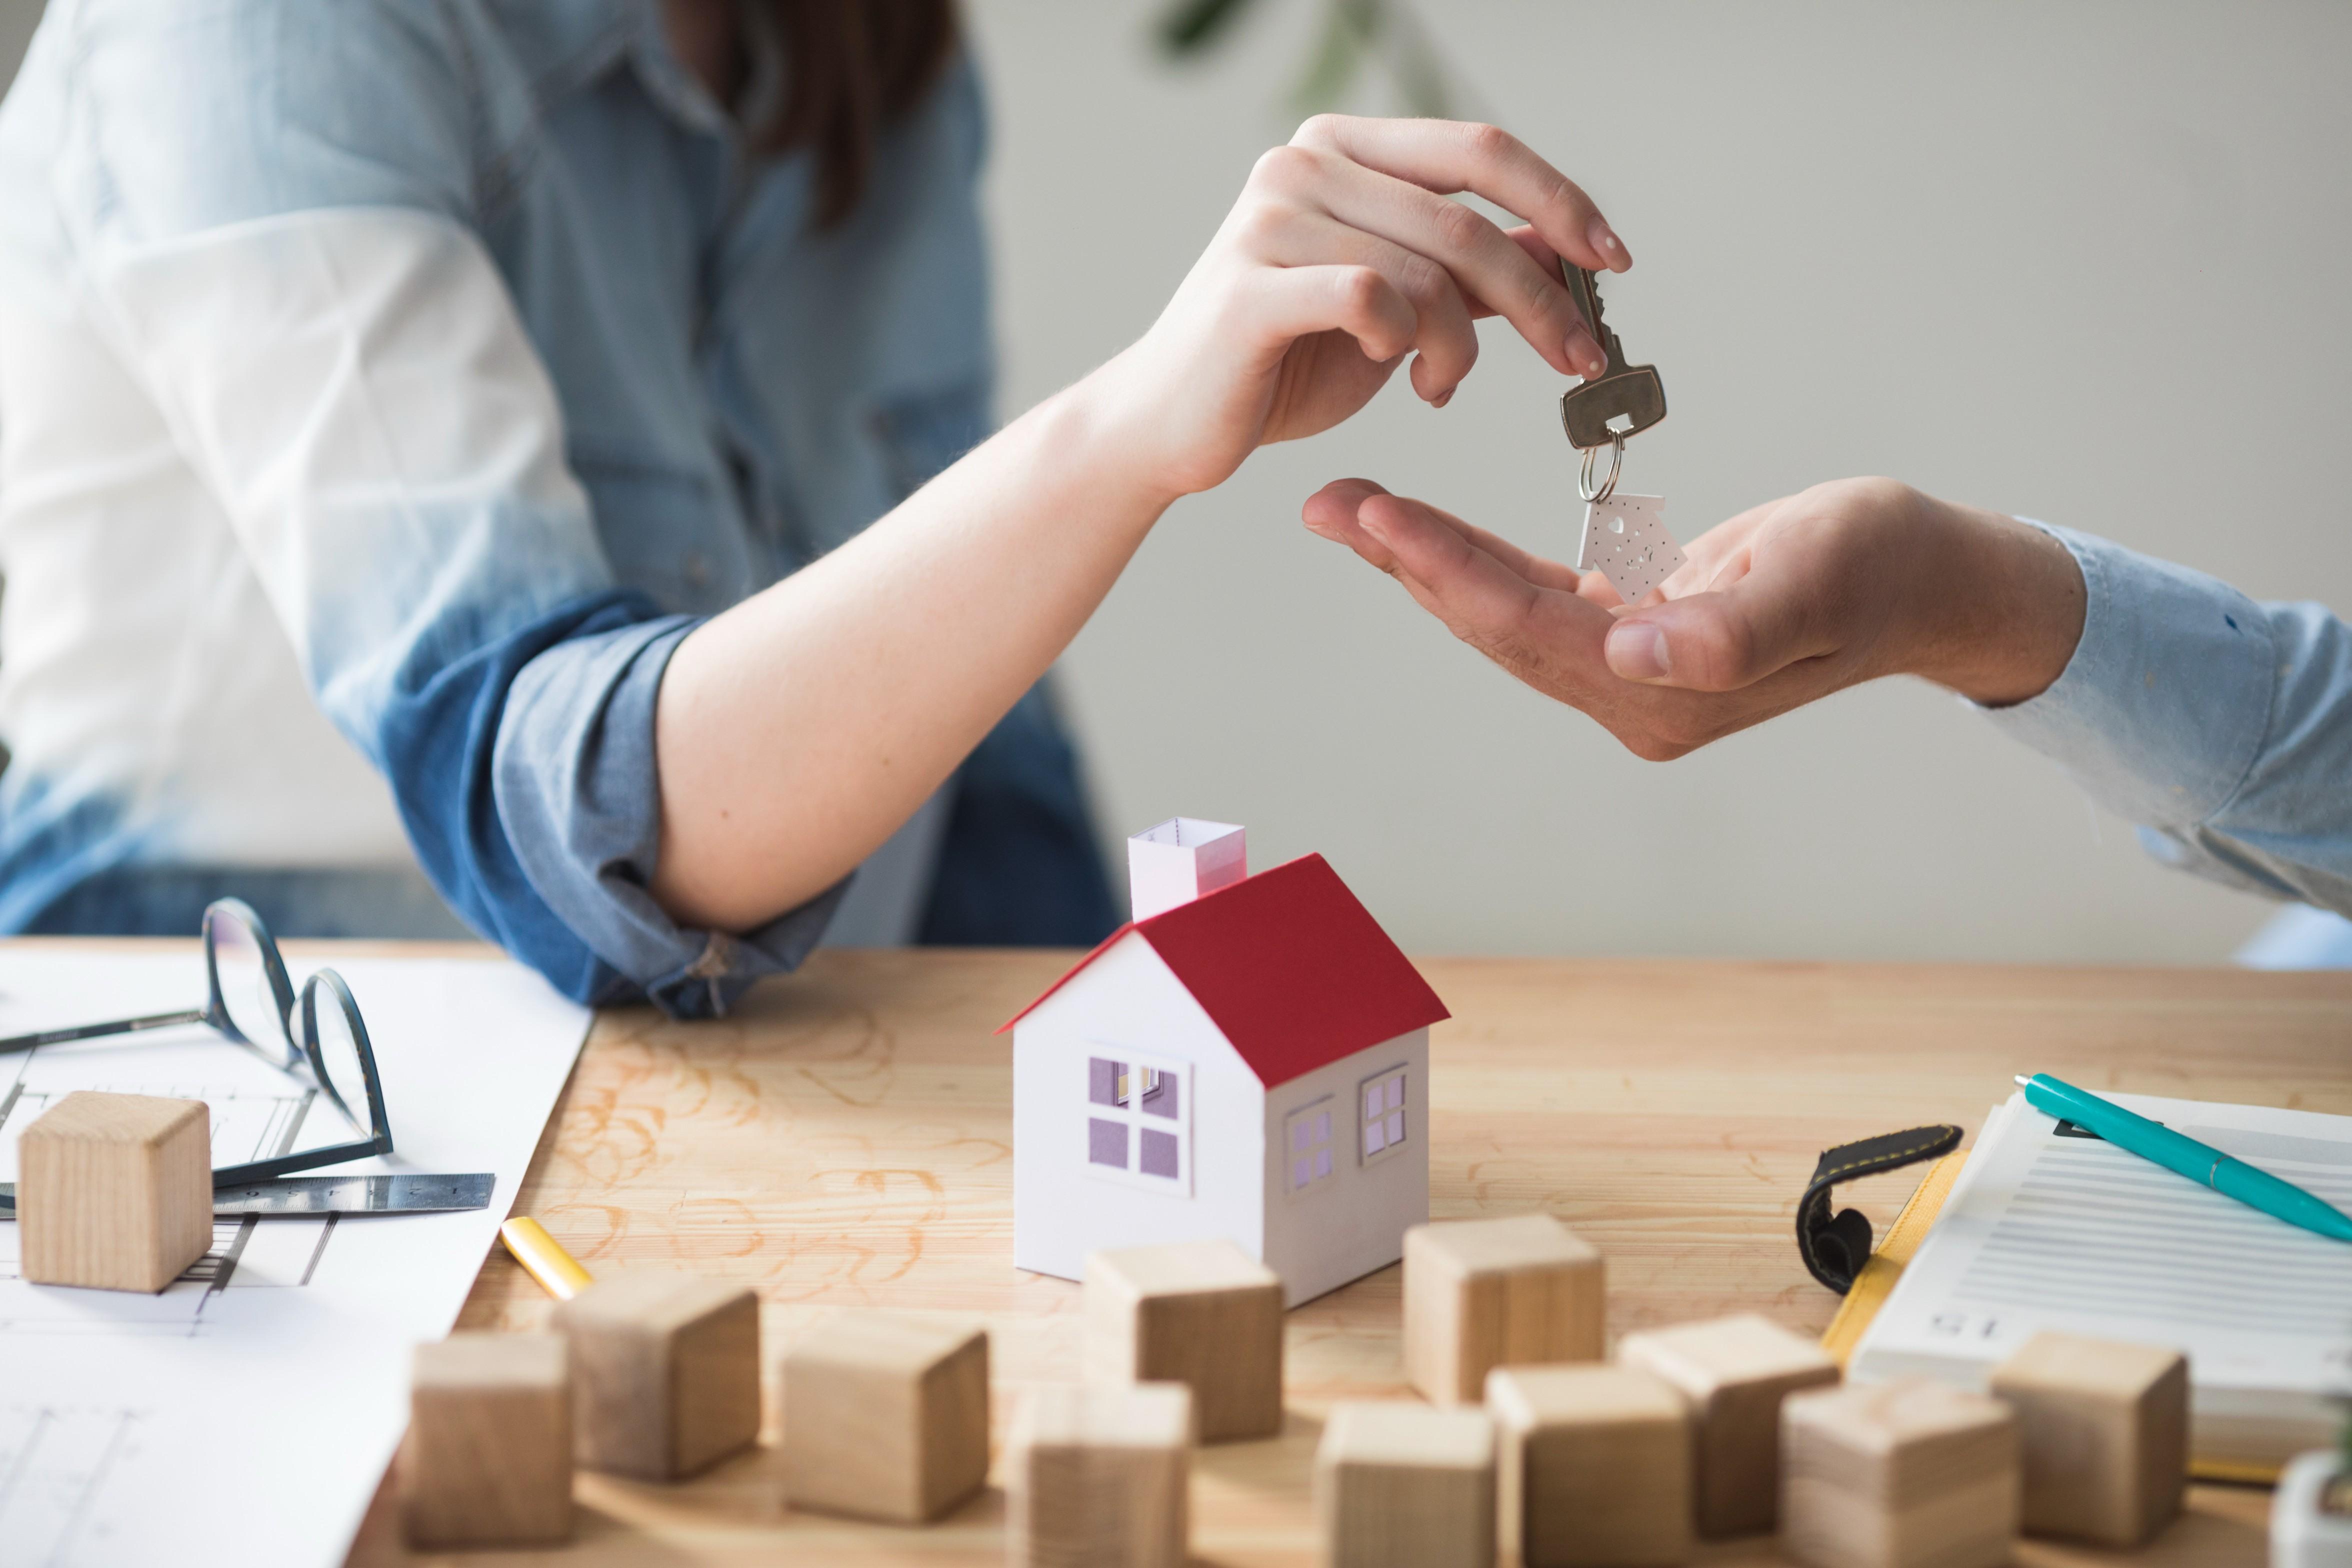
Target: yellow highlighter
(543,1258)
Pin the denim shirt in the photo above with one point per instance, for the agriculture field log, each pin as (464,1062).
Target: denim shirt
(386,389)
(2221,726)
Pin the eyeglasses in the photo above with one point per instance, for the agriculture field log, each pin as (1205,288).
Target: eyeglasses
(315,1035)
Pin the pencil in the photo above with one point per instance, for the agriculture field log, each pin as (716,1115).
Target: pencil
(543,1258)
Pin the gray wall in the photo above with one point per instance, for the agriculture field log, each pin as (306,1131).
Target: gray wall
(2083,261)
(17,19)
(2078,260)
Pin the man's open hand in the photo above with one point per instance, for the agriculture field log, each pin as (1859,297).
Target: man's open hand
(1781,605)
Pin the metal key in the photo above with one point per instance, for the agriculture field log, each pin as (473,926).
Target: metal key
(1623,399)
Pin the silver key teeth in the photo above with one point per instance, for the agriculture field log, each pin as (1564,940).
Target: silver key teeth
(1585,291)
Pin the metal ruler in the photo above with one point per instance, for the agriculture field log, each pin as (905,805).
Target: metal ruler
(310,1196)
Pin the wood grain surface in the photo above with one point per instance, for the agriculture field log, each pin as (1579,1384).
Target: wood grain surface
(844,1139)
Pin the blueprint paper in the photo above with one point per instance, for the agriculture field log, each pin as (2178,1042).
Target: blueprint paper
(275,1370)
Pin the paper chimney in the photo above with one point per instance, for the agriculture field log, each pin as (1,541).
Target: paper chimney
(1181,859)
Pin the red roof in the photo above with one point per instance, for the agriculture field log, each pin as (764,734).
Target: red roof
(1293,969)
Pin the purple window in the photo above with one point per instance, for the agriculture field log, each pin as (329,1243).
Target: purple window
(1159,1100)
(1158,1153)
(1103,1081)
(1107,1143)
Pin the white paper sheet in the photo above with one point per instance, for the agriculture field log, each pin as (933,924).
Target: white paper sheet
(2047,1231)
(275,1372)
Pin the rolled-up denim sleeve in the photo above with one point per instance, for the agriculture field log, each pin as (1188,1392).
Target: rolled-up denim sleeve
(571,771)
(2221,726)
(302,289)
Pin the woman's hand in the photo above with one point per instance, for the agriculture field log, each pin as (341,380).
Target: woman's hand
(1342,256)
(1776,608)
(907,643)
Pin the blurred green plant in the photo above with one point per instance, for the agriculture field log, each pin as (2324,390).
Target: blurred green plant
(1355,35)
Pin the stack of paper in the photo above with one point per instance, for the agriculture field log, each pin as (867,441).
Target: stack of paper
(2052,1229)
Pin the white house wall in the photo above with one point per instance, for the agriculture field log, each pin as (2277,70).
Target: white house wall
(1127,999)
(1344,1227)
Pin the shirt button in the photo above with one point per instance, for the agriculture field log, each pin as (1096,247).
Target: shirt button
(697,570)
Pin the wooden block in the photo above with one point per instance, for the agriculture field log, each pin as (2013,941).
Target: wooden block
(1403,1486)
(2103,1429)
(885,1415)
(115,1190)
(1733,1372)
(1596,1465)
(665,1373)
(487,1458)
(1484,1293)
(1201,1313)
(1909,1474)
(1101,1476)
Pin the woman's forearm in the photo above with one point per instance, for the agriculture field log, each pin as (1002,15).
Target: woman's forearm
(796,731)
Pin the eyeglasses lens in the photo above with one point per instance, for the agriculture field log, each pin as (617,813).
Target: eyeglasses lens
(245,986)
(339,1059)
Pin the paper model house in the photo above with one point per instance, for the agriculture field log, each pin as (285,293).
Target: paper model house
(1248,1058)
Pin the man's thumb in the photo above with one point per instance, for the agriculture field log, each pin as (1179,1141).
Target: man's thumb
(1703,643)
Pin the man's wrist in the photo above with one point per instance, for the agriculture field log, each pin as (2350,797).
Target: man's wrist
(2009,603)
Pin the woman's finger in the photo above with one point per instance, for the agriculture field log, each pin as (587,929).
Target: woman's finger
(1474,253)
(1546,258)
(1284,304)
(1445,341)
(1449,156)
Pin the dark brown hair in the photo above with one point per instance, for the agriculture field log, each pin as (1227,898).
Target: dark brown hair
(852,67)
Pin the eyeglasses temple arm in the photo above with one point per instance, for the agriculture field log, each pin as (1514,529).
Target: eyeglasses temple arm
(15,1043)
(302,1160)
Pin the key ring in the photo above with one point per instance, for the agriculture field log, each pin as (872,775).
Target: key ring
(1616,461)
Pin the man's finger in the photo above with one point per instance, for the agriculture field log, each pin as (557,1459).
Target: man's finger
(1536,569)
(1332,512)
(1485,603)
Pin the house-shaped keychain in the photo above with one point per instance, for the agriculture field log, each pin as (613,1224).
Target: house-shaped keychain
(1248,1058)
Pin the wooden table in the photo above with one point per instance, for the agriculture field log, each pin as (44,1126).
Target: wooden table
(844,1141)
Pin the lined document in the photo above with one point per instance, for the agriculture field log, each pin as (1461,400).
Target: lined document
(2051,1228)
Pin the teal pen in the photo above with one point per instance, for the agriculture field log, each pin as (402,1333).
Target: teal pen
(2201,1163)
